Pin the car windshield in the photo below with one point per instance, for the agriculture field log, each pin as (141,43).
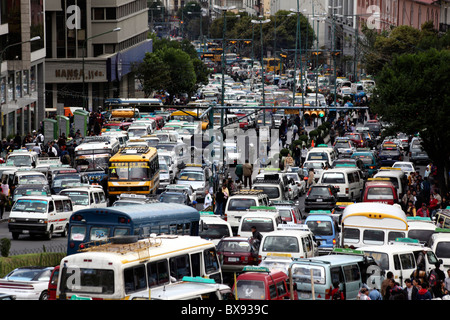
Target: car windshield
(314,165)
(250,289)
(240,204)
(262,224)
(64,182)
(80,198)
(172,198)
(214,231)
(333,177)
(30,274)
(234,246)
(30,205)
(33,179)
(320,227)
(317,156)
(302,273)
(135,132)
(280,244)
(365,159)
(191,176)
(342,145)
(380,193)
(19,161)
(129,171)
(319,191)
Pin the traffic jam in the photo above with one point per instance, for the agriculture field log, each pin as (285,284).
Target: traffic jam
(294,199)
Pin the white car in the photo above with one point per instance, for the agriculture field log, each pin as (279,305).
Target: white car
(27,283)
(406,166)
(299,182)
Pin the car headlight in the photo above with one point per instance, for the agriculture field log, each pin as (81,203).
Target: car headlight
(12,220)
(43,221)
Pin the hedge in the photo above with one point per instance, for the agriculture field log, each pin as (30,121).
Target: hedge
(45,259)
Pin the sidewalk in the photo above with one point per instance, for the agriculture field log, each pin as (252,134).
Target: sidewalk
(5,217)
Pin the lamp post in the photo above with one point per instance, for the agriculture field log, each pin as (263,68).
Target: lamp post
(298,43)
(333,46)
(84,54)
(261,22)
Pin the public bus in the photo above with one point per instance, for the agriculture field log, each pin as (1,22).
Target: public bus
(94,225)
(93,154)
(272,65)
(372,223)
(190,116)
(126,270)
(144,105)
(133,170)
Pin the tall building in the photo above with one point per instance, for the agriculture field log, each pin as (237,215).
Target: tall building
(22,59)
(91,48)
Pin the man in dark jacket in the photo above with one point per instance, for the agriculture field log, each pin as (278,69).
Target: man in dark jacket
(410,291)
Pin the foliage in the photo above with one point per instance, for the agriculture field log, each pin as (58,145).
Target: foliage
(48,259)
(5,246)
(412,95)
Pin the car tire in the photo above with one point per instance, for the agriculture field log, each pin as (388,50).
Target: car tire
(65,231)
(44,295)
(49,234)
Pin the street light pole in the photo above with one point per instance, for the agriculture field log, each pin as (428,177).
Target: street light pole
(84,53)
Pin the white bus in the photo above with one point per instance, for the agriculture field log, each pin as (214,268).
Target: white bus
(123,270)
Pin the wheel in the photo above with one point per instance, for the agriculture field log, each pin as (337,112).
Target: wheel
(49,234)
(65,231)
(44,295)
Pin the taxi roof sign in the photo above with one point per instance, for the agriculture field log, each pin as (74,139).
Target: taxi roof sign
(320,211)
(206,213)
(347,251)
(198,280)
(256,269)
(292,226)
(262,208)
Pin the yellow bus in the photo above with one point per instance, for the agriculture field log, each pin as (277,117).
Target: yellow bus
(133,170)
(190,116)
(272,65)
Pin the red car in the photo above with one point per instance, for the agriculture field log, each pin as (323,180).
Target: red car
(237,252)
(357,138)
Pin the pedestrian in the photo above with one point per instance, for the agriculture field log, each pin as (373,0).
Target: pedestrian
(3,203)
(239,171)
(374,294)
(440,223)
(207,204)
(311,180)
(5,187)
(364,294)
(256,235)
(297,155)
(439,290)
(423,211)
(220,200)
(424,292)
(447,280)
(436,275)
(288,162)
(410,209)
(406,198)
(247,171)
(336,293)
(410,290)
(396,292)
(304,153)
(385,285)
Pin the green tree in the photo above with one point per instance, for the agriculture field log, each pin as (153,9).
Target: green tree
(412,94)
(153,73)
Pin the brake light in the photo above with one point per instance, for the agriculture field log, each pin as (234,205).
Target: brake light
(346,190)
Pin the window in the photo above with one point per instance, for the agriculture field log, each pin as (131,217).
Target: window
(98,13)
(407,261)
(67,205)
(96,197)
(351,235)
(392,235)
(397,265)
(59,206)
(102,197)
(211,262)
(180,267)
(351,273)
(281,288)
(135,279)
(158,273)
(273,291)
(110,13)
(196,262)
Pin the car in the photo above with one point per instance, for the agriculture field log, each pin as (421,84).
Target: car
(389,155)
(403,138)
(237,252)
(197,177)
(299,180)
(316,165)
(27,283)
(369,159)
(127,199)
(357,138)
(374,126)
(213,227)
(183,188)
(61,181)
(321,197)
(289,211)
(417,154)
(175,197)
(406,166)
(345,146)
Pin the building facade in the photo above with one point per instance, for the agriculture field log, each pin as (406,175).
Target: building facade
(22,60)
(91,48)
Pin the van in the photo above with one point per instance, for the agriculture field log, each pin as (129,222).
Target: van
(440,244)
(350,268)
(273,186)
(372,223)
(420,228)
(350,182)
(265,219)
(213,227)
(288,241)
(259,283)
(40,215)
(380,190)
(325,229)
(22,158)
(239,204)
(397,177)
(27,177)
(86,197)
(400,258)
(320,153)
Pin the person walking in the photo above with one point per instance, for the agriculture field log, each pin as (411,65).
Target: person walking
(304,153)
(220,201)
(311,180)
(238,171)
(247,170)
(3,203)
(410,291)
(297,155)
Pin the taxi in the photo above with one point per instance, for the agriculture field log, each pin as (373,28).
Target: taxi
(259,283)
(369,160)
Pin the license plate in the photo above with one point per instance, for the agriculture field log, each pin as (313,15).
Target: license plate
(305,295)
(26,231)
(319,200)
(233,259)
(389,158)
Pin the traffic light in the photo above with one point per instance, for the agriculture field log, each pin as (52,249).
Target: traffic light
(282,55)
(314,113)
(307,113)
(317,53)
(248,42)
(233,42)
(321,113)
(336,53)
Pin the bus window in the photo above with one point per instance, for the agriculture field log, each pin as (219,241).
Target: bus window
(121,231)
(134,279)
(180,267)
(99,233)
(96,197)
(77,233)
(158,273)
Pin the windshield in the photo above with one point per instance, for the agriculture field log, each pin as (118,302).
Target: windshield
(33,179)
(320,228)
(214,231)
(165,147)
(382,259)
(314,165)
(280,244)
(342,145)
(64,182)
(163,168)
(19,192)
(251,289)
(240,204)
(262,224)
(365,159)
(333,177)
(26,205)
(90,163)
(80,198)
(317,156)
(191,176)
(172,198)
(135,132)
(96,281)
(129,171)
(302,273)
(319,191)
(19,161)
(380,193)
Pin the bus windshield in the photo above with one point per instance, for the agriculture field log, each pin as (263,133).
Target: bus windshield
(129,171)
(19,161)
(90,163)
(32,179)
(78,197)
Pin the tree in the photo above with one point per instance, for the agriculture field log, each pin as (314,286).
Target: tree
(412,94)
(153,73)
